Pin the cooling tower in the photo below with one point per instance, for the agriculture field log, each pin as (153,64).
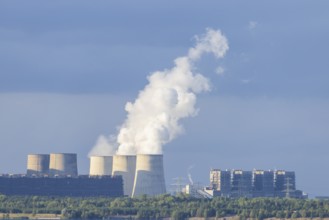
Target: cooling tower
(37,164)
(63,165)
(149,177)
(100,165)
(125,166)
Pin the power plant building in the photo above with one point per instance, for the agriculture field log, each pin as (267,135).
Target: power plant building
(81,186)
(263,183)
(241,183)
(57,175)
(284,183)
(37,164)
(125,166)
(63,164)
(149,177)
(220,181)
(100,165)
(256,183)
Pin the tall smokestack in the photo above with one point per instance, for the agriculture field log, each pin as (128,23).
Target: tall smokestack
(63,164)
(125,165)
(149,177)
(100,165)
(37,164)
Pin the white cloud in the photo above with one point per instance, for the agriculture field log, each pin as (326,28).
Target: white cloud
(252,25)
(154,118)
(220,71)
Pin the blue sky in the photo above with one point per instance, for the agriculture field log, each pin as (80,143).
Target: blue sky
(67,68)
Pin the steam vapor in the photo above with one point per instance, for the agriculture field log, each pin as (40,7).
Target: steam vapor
(104,146)
(153,119)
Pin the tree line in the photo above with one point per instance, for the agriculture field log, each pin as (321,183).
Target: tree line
(177,207)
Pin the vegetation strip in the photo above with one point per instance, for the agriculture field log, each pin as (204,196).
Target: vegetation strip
(177,207)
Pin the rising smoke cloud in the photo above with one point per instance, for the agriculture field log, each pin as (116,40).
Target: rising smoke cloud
(104,146)
(153,119)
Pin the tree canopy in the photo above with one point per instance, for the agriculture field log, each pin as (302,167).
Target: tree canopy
(177,207)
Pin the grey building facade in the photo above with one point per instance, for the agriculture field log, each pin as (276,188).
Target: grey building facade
(81,186)
(256,183)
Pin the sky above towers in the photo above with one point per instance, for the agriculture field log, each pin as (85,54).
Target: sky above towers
(67,68)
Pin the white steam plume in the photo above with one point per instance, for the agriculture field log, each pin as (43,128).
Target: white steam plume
(153,119)
(104,146)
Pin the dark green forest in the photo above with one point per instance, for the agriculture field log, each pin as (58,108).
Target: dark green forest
(177,207)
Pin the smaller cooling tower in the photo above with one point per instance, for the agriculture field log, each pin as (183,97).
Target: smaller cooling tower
(63,165)
(37,164)
(125,166)
(149,177)
(100,165)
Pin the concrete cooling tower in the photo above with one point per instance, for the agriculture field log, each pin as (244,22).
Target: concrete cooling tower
(149,177)
(63,165)
(100,165)
(37,164)
(125,165)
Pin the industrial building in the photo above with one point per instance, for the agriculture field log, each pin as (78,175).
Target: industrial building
(101,165)
(56,174)
(256,183)
(263,183)
(80,186)
(149,176)
(220,181)
(37,164)
(63,165)
(125,166)
(142,174)
(54,164)
(241,183)
(284,183)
